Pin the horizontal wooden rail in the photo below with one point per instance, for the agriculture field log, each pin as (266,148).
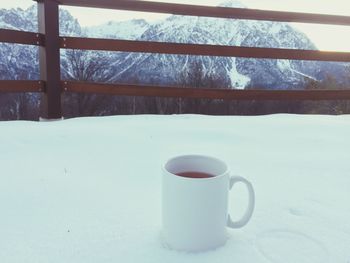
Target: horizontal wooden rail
(10,86)
(207,11)
(21,37)
(49,55)
(200,49)
(225,94)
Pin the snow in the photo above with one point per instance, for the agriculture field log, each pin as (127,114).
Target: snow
(130,30)
(88,189)
(304,75)
(283,64)
(275,28)
(238,80)
(232,3)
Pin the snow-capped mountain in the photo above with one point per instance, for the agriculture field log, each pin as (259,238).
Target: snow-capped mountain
(240,71)
(131,29)
(22,61)
(26,20)
(19,62)
(19,19)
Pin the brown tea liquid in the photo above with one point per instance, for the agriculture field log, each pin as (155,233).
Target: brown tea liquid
(195,175)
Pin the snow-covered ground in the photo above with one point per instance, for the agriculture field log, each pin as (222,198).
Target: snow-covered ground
(88,189)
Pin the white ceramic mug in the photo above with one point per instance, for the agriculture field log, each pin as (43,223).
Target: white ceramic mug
(194,210)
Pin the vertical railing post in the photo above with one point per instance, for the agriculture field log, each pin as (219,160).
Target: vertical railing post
(49,59)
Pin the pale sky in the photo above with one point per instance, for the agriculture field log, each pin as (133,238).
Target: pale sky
(325,37)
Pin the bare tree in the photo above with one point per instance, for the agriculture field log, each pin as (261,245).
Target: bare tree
(330,106)
(18,106)
(88,67)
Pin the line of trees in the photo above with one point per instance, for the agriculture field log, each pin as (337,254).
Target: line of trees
(334,107)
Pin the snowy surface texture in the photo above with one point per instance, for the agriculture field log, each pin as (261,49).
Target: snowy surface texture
(88,189)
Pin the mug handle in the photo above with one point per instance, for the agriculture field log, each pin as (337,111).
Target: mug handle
(248,213)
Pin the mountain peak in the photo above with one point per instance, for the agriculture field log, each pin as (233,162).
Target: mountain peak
(232,3)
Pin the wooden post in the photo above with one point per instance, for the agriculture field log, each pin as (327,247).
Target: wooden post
(49,59)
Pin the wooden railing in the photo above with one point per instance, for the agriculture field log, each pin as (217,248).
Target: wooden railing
(50,43)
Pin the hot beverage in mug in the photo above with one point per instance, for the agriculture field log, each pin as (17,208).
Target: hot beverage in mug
(195,195)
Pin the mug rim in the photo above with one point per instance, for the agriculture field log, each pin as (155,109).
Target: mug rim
(196,155)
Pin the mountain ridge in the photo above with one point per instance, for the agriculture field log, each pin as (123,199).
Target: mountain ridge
(240,73)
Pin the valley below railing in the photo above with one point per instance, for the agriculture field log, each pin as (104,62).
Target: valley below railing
(51,87)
